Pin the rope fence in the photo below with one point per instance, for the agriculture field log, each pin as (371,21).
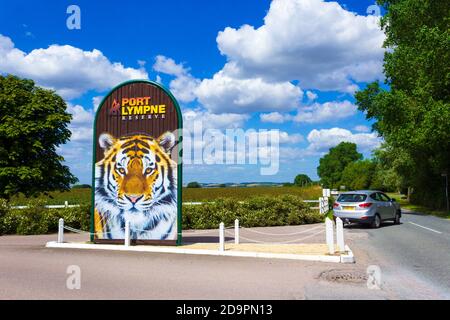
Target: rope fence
(328,229)
(323,209)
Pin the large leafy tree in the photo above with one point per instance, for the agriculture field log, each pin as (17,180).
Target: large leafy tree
(302,180)
(358,175)
(334,162)
(33,123)
(413,114)
(391,169)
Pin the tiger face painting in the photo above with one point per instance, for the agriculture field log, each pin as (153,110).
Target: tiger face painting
(136,181)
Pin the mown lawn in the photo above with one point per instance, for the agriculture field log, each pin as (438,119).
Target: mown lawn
(83,196)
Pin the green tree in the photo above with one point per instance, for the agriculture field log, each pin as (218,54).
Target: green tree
(412,112)
(194,184)
(358,175)
(33,123)
(388,163)
(334,162)
(302,180)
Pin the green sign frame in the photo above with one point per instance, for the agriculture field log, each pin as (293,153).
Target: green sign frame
(180,153)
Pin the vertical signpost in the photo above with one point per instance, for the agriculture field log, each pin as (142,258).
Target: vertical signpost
(137,176)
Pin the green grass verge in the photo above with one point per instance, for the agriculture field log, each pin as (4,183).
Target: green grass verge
(418,208)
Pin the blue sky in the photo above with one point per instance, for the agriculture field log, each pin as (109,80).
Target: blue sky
(291,65)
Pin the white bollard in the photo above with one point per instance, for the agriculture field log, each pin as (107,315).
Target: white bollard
(127,233)
(340,234)
(236,231)
(66,204)
(329,235)
(221,237)
(61,230)
(321,205)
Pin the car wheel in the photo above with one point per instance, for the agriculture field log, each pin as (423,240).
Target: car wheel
(376,223)
(397,218)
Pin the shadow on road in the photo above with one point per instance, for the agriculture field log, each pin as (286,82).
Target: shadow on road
(413,213)
(366,226)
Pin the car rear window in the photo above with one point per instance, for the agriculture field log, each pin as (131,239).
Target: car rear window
(352,197)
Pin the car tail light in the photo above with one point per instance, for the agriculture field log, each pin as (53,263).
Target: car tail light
(365,205)
(335,205)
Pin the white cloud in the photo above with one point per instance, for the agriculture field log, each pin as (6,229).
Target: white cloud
(325,112)
(275,117)
(284,137)
(311,95)
(314,113)
(96,102)
(168,66)
(319,43)
(321,141)
(226,94)
(184,85)
(290,138)
(213,121)
(362,128)
(141,63)
(81,124)
(68,70)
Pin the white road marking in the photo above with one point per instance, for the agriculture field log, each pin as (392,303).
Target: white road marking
(424,227)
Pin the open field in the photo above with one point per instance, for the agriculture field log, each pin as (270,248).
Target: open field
(83,196)
(208,194)
(74,196)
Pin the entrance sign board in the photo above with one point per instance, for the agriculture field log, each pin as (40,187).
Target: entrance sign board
(137,165)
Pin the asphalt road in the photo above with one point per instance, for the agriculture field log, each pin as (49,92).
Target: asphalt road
(417,248)
(414,264)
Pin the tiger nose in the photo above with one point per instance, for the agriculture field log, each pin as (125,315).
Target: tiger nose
(133,199)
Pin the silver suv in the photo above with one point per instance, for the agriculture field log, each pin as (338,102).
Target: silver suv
(366,206)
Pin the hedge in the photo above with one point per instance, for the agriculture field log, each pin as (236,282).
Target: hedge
(37,219)
(256,211)
(262,211)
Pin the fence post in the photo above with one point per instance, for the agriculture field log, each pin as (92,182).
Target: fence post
(66,204)
(321,205)
(61,230)
(127,233)
(236,231)
(329,235)
(340,234)
(221,237)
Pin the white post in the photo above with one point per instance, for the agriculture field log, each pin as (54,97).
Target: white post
(61,230)
(127,233)
(340,234)
(321,205)
(66,204)
(236,231)
(221,237)
(329,235)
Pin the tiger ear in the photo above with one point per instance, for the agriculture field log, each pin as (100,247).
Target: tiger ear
(106,141)
(166,141)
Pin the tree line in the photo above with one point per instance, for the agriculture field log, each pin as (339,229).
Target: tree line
(411,110)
